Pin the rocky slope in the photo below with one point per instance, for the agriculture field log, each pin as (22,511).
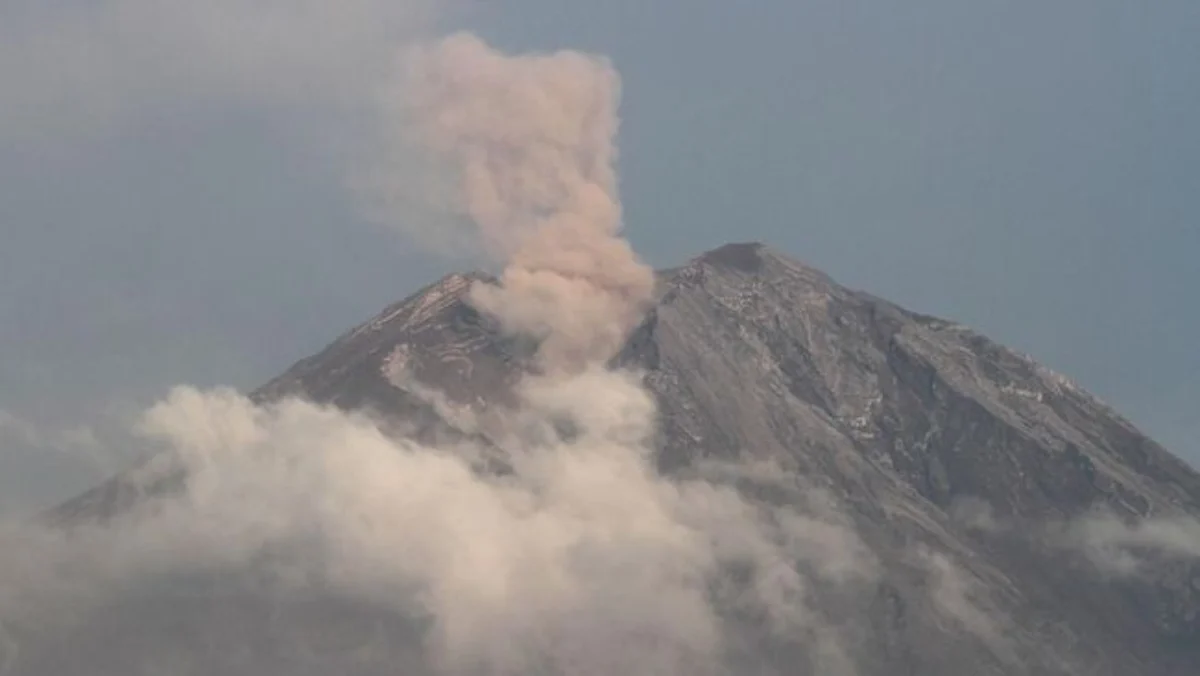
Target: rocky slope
(972,474)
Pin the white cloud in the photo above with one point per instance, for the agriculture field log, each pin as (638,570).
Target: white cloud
(1121,547)
(582,556)
(953,596)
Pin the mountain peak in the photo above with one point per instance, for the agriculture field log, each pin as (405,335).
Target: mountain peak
(752,258)
(768,370)
(743,256)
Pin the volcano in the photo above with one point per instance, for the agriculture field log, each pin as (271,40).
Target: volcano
(1014,518)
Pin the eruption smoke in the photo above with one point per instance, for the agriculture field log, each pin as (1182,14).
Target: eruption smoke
(581,560)
(528,143)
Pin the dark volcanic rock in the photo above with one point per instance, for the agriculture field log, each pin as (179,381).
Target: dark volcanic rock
(955,458)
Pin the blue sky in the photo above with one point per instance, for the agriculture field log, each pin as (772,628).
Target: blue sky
(1031,169)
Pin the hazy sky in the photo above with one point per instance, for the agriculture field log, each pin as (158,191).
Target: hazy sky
(1028,168)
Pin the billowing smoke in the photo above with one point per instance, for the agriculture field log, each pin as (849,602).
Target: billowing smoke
(581,560)
(526,145)
(578,557)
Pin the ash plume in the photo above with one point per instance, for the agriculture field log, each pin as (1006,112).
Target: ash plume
(527,146)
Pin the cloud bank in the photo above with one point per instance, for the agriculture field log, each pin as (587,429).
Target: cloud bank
(581,560)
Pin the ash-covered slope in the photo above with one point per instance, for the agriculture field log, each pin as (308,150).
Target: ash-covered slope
(933,435)
(936,439)
(971,473)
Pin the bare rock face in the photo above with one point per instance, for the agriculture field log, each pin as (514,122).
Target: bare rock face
(972,473)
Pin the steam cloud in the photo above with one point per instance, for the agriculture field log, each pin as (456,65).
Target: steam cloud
(580,559)
(582,541)
(1116,546)
(1120,548)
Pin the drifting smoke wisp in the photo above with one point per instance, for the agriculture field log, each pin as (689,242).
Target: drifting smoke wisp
(579,559)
